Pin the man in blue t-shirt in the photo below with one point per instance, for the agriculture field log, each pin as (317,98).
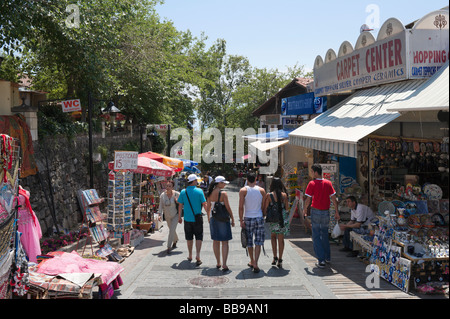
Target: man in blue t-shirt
(192,198)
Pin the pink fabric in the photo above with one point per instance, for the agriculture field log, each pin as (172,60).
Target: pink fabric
(30,228)
(74,263)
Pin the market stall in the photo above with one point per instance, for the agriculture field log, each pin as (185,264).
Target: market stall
(120,206)
(408,246)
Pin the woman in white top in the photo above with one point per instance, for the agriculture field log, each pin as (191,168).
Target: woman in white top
(220,231)
(167,205)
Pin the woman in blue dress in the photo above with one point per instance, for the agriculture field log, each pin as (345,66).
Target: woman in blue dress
(220,230)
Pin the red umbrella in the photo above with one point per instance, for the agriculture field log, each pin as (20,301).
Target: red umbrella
(175,163)
(150,167)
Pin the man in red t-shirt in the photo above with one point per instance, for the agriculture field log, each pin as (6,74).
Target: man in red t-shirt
(320,193)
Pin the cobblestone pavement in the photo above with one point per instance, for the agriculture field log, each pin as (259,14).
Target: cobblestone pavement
(150,273)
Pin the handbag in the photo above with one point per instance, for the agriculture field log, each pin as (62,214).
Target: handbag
(244,239)
(273,215)
(220,212)
(198,217)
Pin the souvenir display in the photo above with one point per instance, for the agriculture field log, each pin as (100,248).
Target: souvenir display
(13,270)
(120,198)
(90,201)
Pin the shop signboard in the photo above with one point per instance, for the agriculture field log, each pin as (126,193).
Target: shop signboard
(428,50)
(382,62)
(71,106)
(303,104)
(397,54)
(347,173)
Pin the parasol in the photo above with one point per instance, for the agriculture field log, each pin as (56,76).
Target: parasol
(174,163)
(150,167)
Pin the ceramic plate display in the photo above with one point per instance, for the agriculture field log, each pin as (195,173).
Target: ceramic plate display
(432,191)
(438,219)
(411,208)
(386,206)
(398,204)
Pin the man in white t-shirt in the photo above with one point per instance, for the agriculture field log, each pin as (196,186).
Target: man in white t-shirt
(360,214)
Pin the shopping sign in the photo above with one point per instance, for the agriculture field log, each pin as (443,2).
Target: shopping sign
(397,54)
(125,160)
(71,106)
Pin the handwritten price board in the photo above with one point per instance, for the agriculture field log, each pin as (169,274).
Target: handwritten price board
(125,160)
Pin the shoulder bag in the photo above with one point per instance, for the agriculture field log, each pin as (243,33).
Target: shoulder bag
(220,212)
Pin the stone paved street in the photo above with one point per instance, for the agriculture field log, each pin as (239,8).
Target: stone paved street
(151,273)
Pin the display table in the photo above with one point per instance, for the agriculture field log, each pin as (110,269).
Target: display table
(68,275)
(360,242)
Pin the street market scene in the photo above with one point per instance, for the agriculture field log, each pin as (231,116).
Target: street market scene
(140,161)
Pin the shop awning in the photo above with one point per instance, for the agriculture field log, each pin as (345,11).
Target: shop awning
(339,129)
(269,145)
(430,96)
(270,135)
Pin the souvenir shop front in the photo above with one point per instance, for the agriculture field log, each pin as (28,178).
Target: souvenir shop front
(397,133)
(24,271)
(400,170)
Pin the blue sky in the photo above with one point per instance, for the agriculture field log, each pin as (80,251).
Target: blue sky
(276,34)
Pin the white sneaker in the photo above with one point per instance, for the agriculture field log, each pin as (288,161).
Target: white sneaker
(321,264)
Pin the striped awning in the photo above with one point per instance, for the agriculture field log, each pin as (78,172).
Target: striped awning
(339,129)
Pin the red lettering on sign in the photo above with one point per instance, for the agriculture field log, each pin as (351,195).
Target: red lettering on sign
(437,56)
(347,67)
(383,56)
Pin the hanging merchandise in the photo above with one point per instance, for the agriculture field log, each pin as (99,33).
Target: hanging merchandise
(28,226)
(10,259)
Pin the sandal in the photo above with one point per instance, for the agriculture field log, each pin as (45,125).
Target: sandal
(218,266)
(274,262)
(225,269)
(198,262)
(256,270)
(280,263)
(250,265)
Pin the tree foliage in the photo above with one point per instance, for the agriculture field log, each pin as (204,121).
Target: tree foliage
(122,50)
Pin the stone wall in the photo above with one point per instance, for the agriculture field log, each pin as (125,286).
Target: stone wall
(64,169)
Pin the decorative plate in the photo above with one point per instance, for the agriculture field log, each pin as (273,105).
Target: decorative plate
(432,191)
(386,206)
(411,208)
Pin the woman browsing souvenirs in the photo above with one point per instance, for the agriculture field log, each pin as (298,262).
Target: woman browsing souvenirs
(168,206)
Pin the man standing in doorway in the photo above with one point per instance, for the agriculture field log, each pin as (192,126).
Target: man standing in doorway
(192,200)
(319,194)
(251,218)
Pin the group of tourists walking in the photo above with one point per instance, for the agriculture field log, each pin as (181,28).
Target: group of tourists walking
(254,203)
(255,207)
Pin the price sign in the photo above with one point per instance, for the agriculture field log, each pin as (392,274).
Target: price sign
(125,160)
(71,106)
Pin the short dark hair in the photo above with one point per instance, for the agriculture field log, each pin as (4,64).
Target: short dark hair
(352,198)
(317,168)
(251,177)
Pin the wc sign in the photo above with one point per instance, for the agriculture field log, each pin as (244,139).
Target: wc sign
(71,105)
